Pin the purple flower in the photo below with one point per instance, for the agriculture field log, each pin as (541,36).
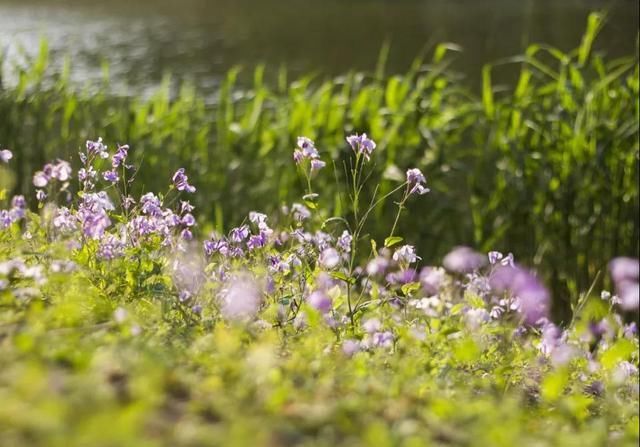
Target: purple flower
(5,155)
(350,347)
(150,205)
(383,339)
(630,296)
(320,301)
(494,257)
(40,179)
(94,224)
(463,260)
(186,234)
(257,241)
(241,299)
(5,219)
(236,252)
(630,330)
(372,325)
(110,247)
(171,219)
(216,246)
(324,281)
(17,212)
(416,182)
(120,156)
(97,148)
(41,196)
(401,277)
(361,144)
(257,218)
(61,171)
(97,201)
(551,338)
(316,165)
(431,279)
(329,258)
(65,221)
(184,296)
(533,298)
(624,269)
(308,148)
(84,175)
(300,212)
(239,234)
(415,176)
(111,176)
(128,202)
(298,156)
(322,240)
(600,329)
(344,241)
(92,214)
(18,202)
(377,266)
(185,207)
(625,273)
(406,253)
(188,220)
(180,180)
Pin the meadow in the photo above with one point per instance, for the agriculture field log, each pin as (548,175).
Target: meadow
(377,259)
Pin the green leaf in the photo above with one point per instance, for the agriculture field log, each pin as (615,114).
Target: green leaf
(475,301)
(343,277)
(310,204)
(456,309)
(391,241)
(466,351)
(374,246)
(410,288)
(487,92)
(554,384)
(618,352)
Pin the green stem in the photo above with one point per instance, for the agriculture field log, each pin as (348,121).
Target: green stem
(400,208)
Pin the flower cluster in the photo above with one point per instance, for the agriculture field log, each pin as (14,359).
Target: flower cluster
(316,282)
(180,181)
(241,239)
(307,151)
(362,145)
(298,269)
(532,298)
(60,171)
(416,182)
(625,273)
(15,213)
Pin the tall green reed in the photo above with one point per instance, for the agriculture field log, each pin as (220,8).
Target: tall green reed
(547,168)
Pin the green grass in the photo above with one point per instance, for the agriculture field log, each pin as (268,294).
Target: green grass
(546,168)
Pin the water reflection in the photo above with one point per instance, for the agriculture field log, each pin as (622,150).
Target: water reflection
(201,39)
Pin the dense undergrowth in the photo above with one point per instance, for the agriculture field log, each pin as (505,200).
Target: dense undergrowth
(124,322)
(547,168)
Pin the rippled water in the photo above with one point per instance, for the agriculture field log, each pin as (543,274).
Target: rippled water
(201,39)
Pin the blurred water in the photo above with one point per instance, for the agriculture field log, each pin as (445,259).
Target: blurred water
(201,39)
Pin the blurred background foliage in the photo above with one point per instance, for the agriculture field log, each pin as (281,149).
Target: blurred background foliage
(546,168)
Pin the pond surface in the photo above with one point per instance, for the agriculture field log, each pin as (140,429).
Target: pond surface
(201,39)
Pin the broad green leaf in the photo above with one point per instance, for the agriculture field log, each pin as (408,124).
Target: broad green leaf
(391,241)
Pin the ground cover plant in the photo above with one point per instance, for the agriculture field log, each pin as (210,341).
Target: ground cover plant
(123,321)
(545,165)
